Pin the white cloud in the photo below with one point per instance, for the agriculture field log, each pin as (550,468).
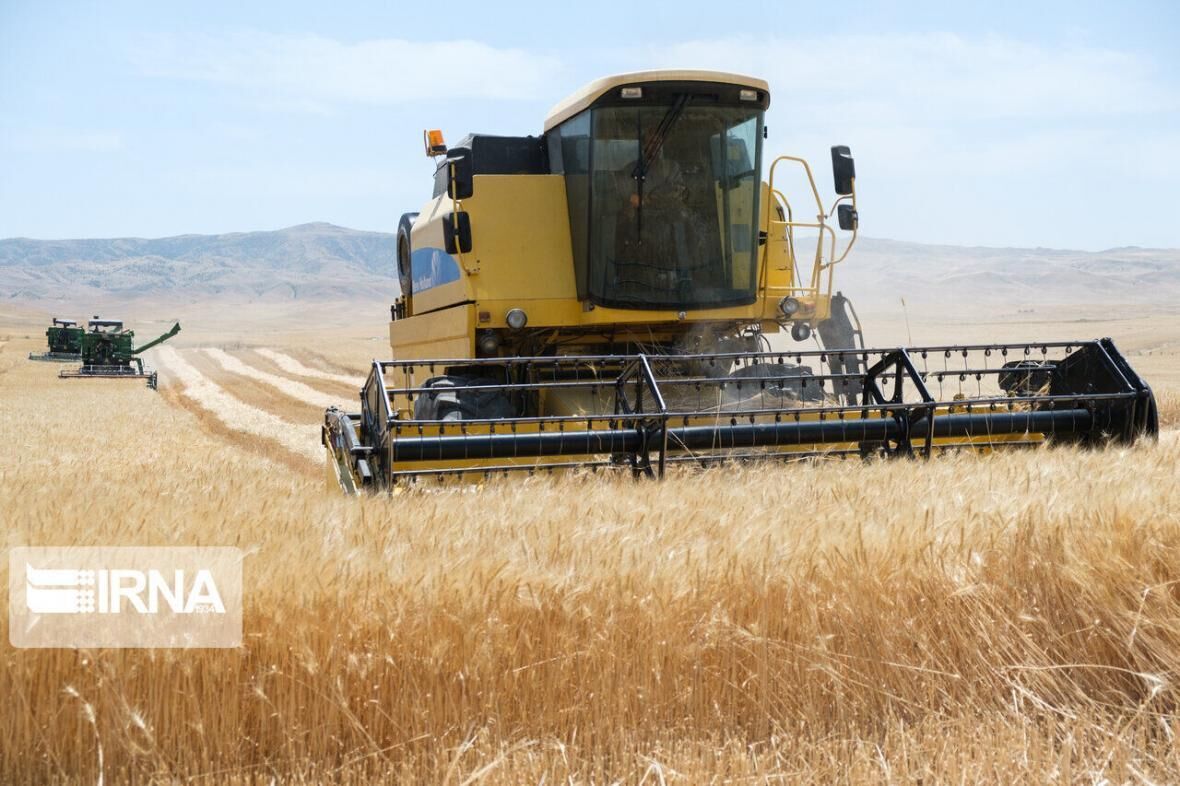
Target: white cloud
(958,137)
(935,77)
(967,137)
(310,72)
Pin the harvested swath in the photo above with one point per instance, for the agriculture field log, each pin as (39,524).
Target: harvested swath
(328,387)
(286,386)
(257,393)
(293,366)
(239,416)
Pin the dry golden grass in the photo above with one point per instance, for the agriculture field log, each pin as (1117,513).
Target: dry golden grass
(999,619)
(1169,404)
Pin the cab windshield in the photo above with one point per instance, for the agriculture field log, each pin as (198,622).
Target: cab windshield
(663,202)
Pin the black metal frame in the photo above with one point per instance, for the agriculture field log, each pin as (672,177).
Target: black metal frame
(111,372)
(899,406)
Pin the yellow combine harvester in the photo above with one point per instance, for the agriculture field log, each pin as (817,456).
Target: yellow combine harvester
(603,295)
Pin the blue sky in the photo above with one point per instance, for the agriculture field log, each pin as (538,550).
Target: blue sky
(1002,123)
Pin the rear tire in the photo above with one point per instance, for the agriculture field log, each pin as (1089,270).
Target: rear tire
(405,248)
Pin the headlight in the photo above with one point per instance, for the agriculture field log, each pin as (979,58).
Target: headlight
(489,342)
(788,306)
(516,319)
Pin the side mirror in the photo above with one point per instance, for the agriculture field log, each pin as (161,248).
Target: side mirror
(844,168)
(847,216)
(457,232)
(460,184)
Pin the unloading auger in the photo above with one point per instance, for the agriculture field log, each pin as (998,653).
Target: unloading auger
(604,295)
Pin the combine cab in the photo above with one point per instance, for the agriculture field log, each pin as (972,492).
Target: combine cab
(108,350)
(606,295)
(65,342)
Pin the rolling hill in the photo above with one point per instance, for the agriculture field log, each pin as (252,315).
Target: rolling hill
(311,261)
(323,262)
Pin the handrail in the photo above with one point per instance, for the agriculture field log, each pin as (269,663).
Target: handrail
(790,232)
(819,266)
(810,179)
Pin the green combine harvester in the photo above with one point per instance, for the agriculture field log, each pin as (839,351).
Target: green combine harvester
(65,342)
(107,350)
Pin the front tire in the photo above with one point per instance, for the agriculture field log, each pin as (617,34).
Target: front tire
(841,336)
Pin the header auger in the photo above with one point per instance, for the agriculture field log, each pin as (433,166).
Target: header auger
(107,350)
(605,294)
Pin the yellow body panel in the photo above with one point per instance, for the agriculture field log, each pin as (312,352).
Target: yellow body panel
(521,238)
(428,233)
(439,334)
(521,258)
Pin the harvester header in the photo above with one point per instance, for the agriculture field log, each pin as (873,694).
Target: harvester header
(617,290)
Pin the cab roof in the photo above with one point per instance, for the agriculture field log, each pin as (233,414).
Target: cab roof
(583,98)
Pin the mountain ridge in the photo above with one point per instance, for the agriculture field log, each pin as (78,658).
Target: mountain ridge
(329,226)
(320,260)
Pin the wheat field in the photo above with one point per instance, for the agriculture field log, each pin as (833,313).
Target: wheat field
(969,619)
